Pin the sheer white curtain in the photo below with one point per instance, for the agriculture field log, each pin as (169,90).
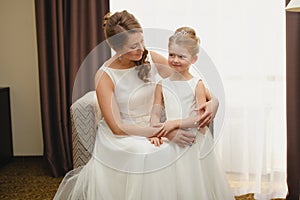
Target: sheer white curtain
(246,42)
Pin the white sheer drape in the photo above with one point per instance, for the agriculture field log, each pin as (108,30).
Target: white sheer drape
(246,42)
(253,146)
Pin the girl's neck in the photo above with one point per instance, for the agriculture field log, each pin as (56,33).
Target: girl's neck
(181,76)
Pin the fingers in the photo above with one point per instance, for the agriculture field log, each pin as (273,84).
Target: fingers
(187,137)
(158,142)
(202,106)
(185,144)
(204,116)
(205,122)
(161,133)
(161,141)
(205,119)
(183,138)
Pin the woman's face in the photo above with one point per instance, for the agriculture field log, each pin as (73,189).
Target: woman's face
(179,58)
(134,48)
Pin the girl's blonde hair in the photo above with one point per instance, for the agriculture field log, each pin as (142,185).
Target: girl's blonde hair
(186,36)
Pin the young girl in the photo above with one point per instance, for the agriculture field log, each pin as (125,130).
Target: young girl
(198,175)
(183,49)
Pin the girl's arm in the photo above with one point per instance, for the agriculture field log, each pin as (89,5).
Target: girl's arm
(157,106)
(192,121)
(110,110)
(210,107)
(156,113)
(180,137)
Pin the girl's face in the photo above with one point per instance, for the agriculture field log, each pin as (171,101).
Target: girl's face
(134,47)
(180,59)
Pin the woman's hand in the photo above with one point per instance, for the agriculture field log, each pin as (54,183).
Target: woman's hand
(210,109)
(181,137)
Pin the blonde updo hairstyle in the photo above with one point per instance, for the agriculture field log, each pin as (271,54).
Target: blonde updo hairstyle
(116,28)
(186,37)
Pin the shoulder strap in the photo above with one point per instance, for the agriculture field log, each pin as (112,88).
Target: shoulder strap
(108,71)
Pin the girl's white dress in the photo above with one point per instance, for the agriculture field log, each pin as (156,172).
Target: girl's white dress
(131,168)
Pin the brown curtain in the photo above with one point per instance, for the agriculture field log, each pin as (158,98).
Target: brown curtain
(67,30)
(293,103)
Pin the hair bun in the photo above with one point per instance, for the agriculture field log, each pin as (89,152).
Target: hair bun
(189,32)
(105,19)
(186,31)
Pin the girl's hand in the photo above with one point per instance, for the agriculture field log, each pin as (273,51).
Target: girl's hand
(156,141)
(168,126)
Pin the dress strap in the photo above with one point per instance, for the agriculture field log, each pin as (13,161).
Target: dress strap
(108,71)
(194,82)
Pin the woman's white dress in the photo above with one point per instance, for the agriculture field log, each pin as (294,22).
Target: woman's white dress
(131,168)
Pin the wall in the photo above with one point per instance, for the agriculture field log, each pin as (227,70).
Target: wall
(19,71)
(245,41)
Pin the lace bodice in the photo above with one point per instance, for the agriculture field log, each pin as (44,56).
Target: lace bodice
(134,97)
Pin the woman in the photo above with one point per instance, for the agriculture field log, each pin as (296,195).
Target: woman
(125,165)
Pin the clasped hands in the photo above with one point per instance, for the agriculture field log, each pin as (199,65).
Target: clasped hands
(183,137)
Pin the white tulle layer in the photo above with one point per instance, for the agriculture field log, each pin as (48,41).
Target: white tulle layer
(131,168)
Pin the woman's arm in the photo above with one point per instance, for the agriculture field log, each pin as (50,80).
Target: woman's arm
(161,64)
(110,110)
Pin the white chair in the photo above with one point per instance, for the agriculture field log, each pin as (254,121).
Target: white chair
(85,115)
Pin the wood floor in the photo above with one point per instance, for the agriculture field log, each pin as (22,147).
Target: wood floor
(25,178)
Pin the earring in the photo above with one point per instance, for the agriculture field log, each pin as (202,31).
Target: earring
(120,57)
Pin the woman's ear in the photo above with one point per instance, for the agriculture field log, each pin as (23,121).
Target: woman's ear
(194,59)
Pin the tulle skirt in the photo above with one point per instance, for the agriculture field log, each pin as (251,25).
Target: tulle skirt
(131,168)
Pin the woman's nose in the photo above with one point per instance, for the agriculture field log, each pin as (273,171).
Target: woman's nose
(141,46)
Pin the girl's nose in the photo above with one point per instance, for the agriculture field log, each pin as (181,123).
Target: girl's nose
(175,59)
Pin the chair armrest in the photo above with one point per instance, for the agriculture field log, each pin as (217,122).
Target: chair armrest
(85,115)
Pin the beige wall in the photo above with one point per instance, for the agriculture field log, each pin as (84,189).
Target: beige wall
(19,71)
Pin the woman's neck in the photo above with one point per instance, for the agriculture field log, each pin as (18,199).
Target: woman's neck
(122,63)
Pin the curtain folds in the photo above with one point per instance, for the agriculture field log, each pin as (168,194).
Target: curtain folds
(67,30)
(253,143)
(293,103)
